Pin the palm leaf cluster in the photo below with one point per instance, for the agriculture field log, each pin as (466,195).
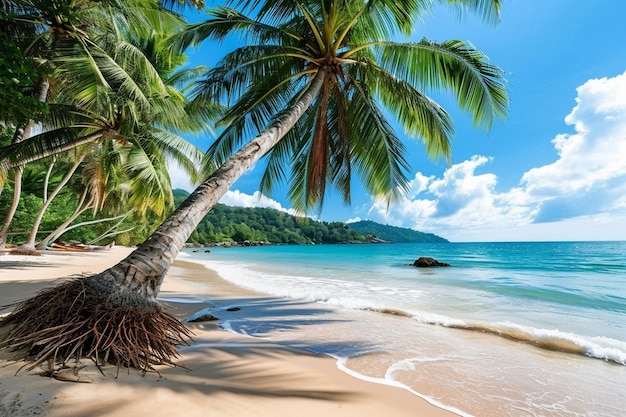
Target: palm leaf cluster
(368,77)
(115,97)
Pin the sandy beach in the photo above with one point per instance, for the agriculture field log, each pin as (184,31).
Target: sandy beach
(220,373)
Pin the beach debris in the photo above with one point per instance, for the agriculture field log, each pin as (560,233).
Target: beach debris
(24,252)
(78,247)
(65,377)
(426,262)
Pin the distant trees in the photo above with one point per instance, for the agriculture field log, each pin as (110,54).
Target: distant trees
(238,224)
(224,224)
(394,234)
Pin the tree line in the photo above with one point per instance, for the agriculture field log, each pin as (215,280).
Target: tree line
(266,225)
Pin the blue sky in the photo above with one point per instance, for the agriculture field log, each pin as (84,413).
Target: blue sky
(555,169)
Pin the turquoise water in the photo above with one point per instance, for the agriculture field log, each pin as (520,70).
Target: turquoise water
(521,329)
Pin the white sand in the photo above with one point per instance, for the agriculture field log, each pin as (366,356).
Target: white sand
(224,374)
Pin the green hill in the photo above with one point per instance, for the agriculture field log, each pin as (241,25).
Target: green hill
(394,234)
(239,224)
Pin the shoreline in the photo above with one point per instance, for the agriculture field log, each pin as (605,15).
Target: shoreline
(220,374)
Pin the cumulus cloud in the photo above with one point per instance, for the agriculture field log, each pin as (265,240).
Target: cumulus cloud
(584,189)
(178,177)
(354,220)
(238,199)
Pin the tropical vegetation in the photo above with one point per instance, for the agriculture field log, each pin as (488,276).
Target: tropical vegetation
(310,89)
(114,108)
(393,233)
(248,225)
(223,225)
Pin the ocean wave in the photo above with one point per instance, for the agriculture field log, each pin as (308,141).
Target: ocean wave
(299,287)
(388,380)
(604,348)
(594,347)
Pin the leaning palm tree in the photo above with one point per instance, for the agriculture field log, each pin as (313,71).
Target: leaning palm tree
(308,89)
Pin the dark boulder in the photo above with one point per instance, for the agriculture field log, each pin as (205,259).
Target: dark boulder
(425,262)
(204,317)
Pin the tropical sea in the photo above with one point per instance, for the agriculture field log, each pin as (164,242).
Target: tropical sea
(510,329)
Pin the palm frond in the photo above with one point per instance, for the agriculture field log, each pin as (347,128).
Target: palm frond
(149,181)
(250,115)
(42,145)
(489,10)
(454,65)
(384,18)
(418,114)
(377,153)
(177,150)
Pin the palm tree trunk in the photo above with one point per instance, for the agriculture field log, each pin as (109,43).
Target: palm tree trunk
(114,315)
(17,191)
(113,230)
(61,231)
(53,149)
(143,271)
(47,178)
(41,90)
(62,228)
(30,240)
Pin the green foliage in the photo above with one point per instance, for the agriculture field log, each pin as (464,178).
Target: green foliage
(395,234)
(18,76)
(26,210)
(225,224)
(371,82)
(61,209)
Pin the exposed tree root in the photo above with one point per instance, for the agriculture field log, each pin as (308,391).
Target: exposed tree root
(73,321)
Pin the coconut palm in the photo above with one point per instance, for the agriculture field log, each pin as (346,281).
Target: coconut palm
(41,28)
(124,87)
(346,126)
(116,44)
(322,68)
(114,179)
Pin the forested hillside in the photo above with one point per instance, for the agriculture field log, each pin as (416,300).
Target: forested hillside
(225,223)
(394,234)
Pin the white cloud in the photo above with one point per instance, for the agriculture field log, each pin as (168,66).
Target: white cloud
(581,195)
(239,199)
(178,177)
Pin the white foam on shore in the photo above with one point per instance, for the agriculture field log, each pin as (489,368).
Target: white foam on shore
(333,293)
(388,380)
(281,284)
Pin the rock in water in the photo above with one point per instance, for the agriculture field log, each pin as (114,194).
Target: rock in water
(204,317)
(425,262)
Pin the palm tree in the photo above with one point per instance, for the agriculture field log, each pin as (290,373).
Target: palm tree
(320,68)
(49,197)
(41,91)
(123,87)
(345,127)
